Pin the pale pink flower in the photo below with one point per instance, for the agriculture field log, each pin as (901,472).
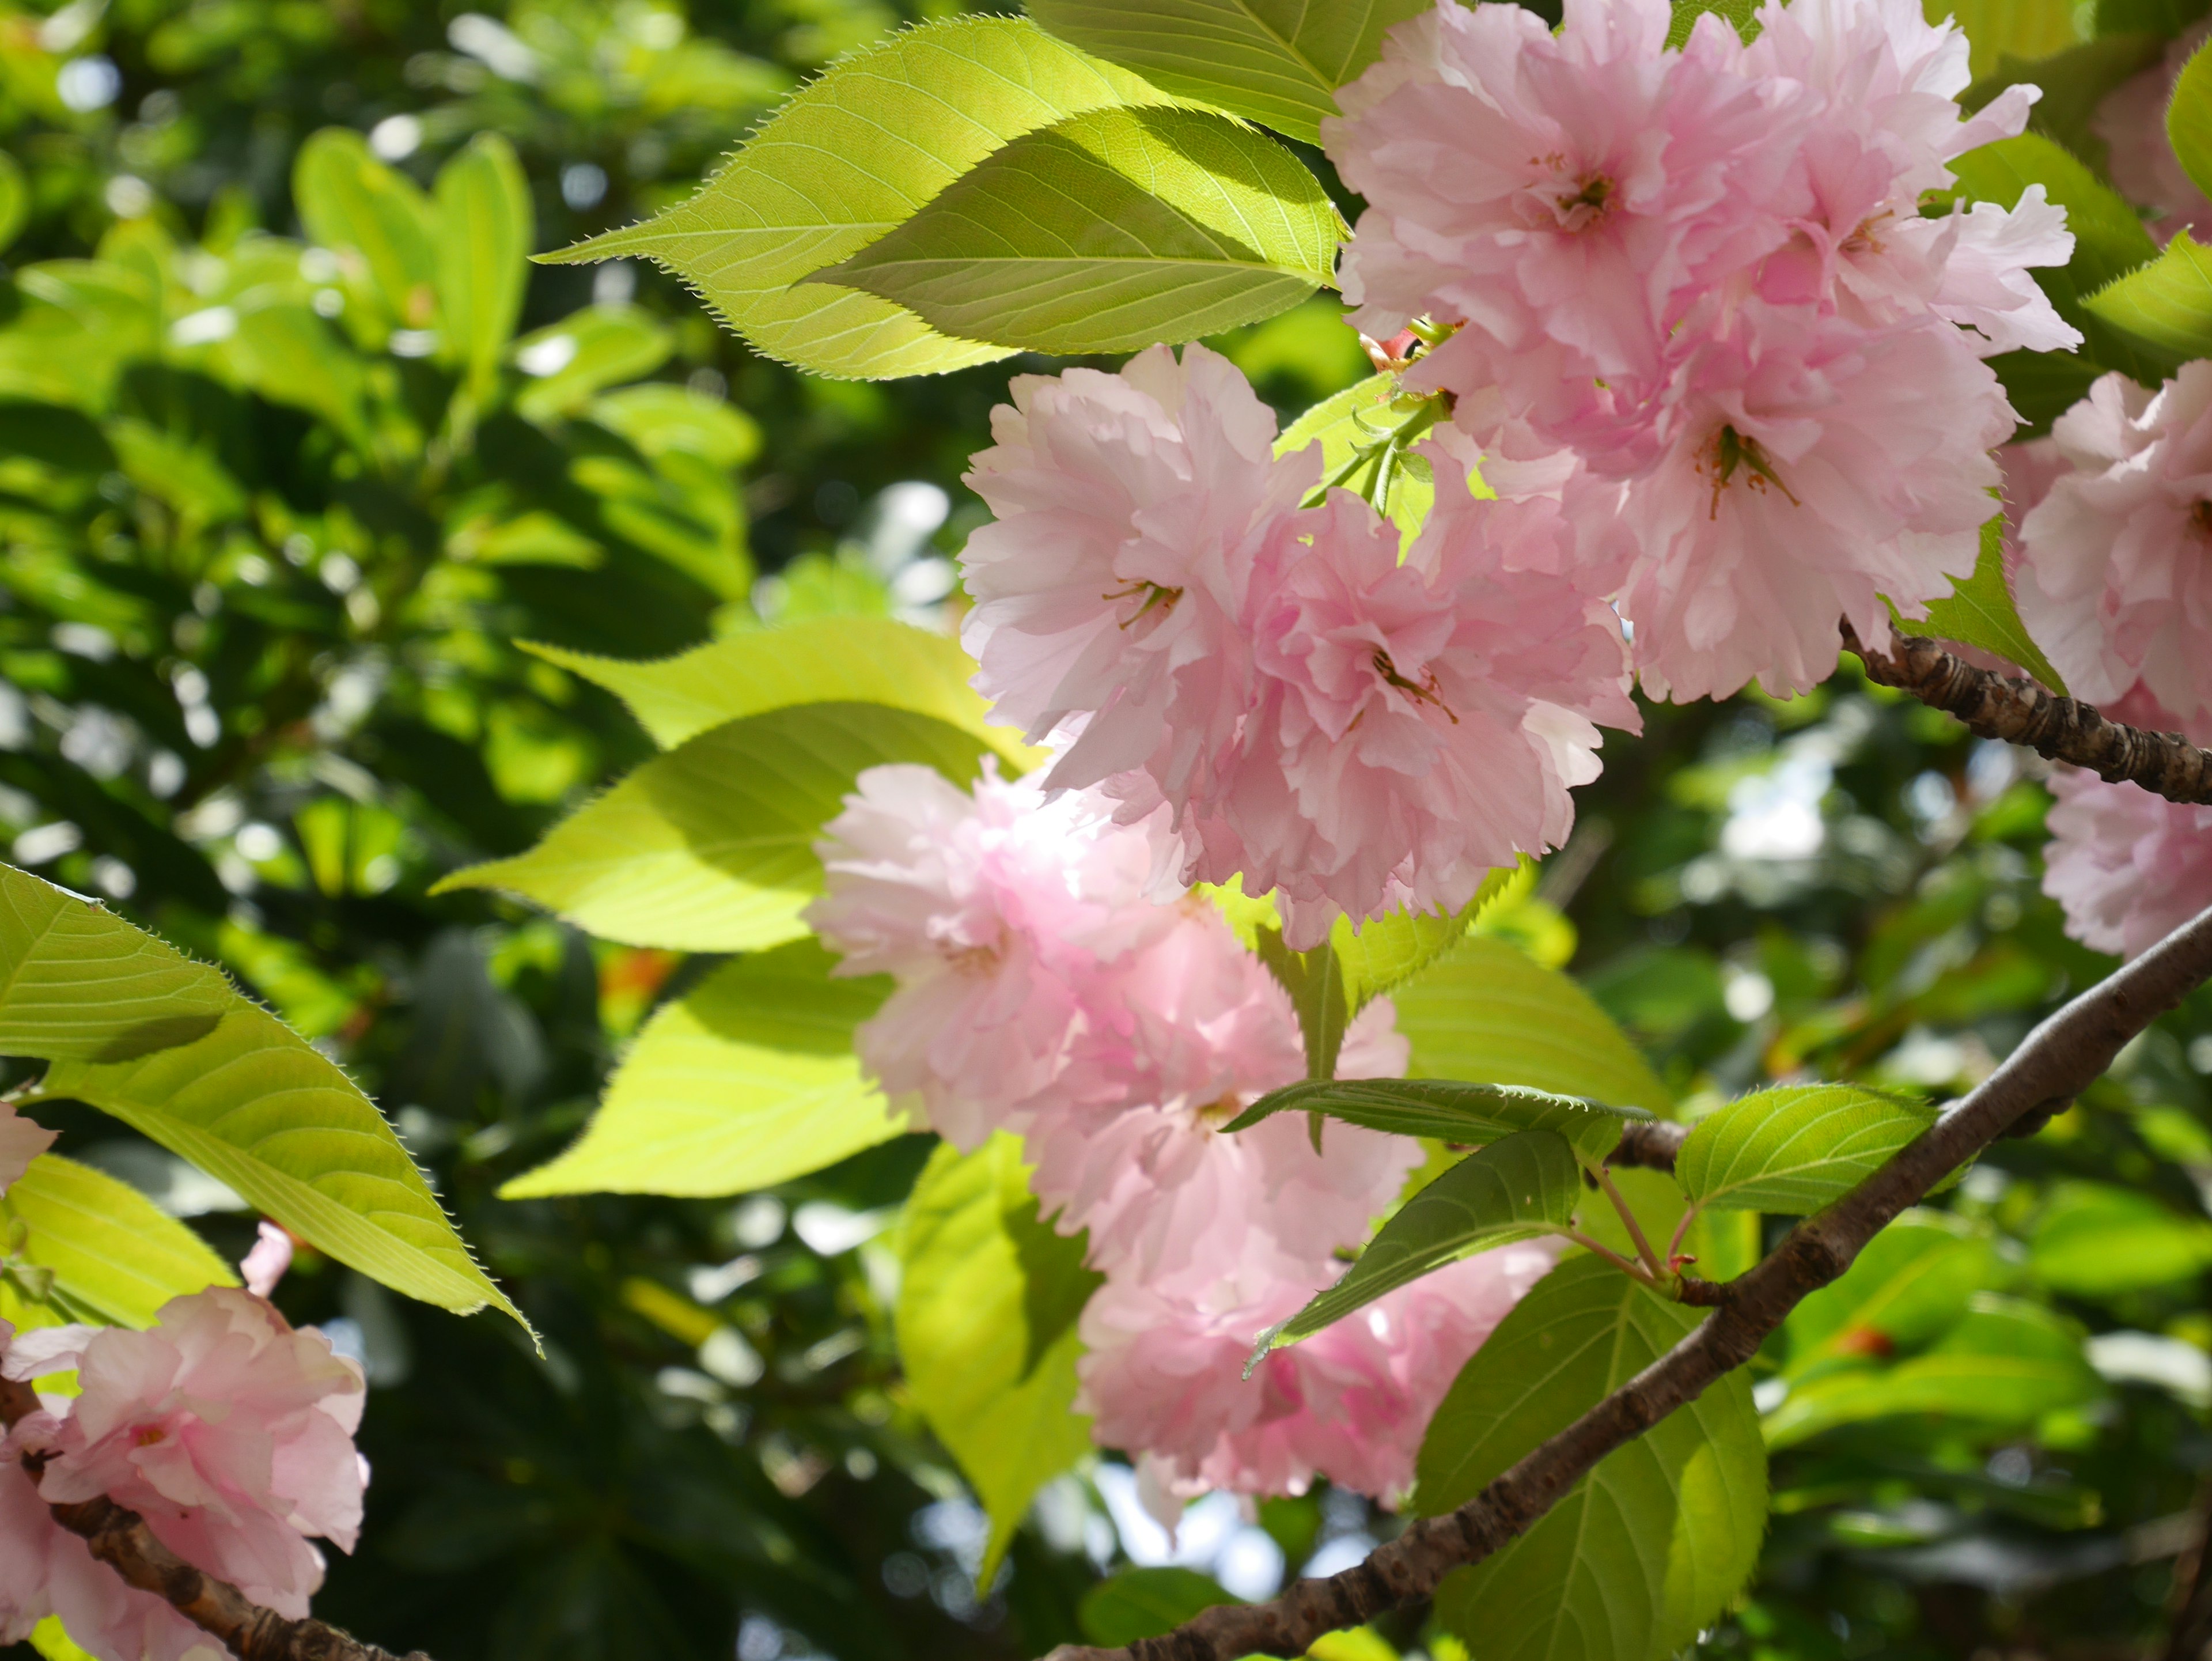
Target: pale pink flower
(1164,1374)
(1130,509)
(2131,121)
(2116,579)
(1817,468)
(2128,867)
(1566,197)
(988,905)
(267,1263)
(229,1433)
(22,1141)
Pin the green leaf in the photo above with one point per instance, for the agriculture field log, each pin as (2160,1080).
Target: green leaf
(255,1105)
(1279,62)
(1145,1603)
(817,660)
(852,154)
(111,1251)
(662,422)
(485,228)
(1488,1011)
(79,983)
(2074,82)
(711,847)
(1912,1283)
(1363,432)
(1520,1186)
(969,1245)
(1110,231)
(747,1080)
(15,200)
(2004,1364)
(51,1640)
(1384,952)
(1651,1545)
(1739,15)
(1316,986)
(2091,1240)
(2164,18)
(2020,28)
(571,362)
(2189,119)
(2168,303)
(1448,1110)
(290,355)
(1981,612)
(372,217)
(1795,1148)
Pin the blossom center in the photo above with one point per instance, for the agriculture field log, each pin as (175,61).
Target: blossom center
(1148,596)
(1731,453)
(1582,201)
(1424,691)
(2201,517)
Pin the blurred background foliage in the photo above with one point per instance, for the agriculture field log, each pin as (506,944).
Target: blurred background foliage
(283,481)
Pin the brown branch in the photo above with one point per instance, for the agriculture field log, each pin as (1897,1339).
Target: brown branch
(2058,1060)
(121,1539)
(1649,1144)
(1994,706)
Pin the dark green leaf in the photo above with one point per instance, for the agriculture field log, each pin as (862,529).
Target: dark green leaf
(2164,18)
(1981,612)
(2189,119)
(2168,303)
(1912,1284)
(1145,1603)
(1452,1112)
(1796,1148)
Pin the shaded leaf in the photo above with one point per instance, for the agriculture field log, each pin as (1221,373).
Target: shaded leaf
(1912,1283)
(747,1080)
(485,228)
(15,200)
(1651,1546)
(963,1333)
(1980,612)
(113,1253)
(1450,1110)
(2189,119)
(1518,1187)
(1315,984)
(851,155)
(2017,28)
(2091,1240)
(2168,303)
(711,847)
(1277,62)
(1795,1148)
(1363,432)
(1145,1603)
(1111,231)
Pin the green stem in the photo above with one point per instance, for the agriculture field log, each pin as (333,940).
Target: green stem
(1634,1271)
(1657,1270)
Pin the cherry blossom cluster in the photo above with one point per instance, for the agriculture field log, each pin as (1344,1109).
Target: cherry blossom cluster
(1702,278)
(229,1433)
(1040,991)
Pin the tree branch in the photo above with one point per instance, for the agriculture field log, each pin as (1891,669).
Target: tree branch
(1994,706)
(121,1539)
(2060,1058)
(1650,1144)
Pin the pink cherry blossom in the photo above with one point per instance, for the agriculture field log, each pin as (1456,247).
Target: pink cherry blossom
(2116,578)
(1564,196)
(2131,120)
(1164,1368)
(22,1141)
(269,1260)
(1818,467)
(2128,867)
(1130,510)
(229,1431)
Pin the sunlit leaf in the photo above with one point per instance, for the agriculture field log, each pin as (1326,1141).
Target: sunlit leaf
(361,210)
(1980,612)
(114,1254)
(2168,303)
(2092,1240)
(1796,1148)
(1450,1111)
(485,228)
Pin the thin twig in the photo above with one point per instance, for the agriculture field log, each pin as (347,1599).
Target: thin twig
(121,1539)
(1994,706)
(2059,1058)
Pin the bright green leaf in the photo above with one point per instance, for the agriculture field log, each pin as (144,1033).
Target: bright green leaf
(747,1080)
(664,421)
(1316,986)
(1384,952)
(817,660)
(1912,1284)
(570,362)
(2091,1240)
(1450,1110)
(485,228)
(2189,119)
(1518,1187)
(1488,1011)
(1651,1545)
(15,200)
(1110,231)
(79,983)
(1364,432)
(2004,1364)
(255,1105)
(1738,14)
(2168,303)
(1145,1603)
(711,847)
(114,1254)
(366,212)
(1795,1148)
(1277,62)
(963,1320)
(2018,28)
(1981,612)
(852,154)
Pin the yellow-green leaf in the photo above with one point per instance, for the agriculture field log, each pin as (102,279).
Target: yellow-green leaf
(114,1254)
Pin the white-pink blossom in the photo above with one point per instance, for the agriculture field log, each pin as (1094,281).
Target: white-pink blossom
(2131,120)
(1130,509)
(22,1141)
(1818,467)
(229,1431)
(2115,582)
(269,1260)
(2128,867)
